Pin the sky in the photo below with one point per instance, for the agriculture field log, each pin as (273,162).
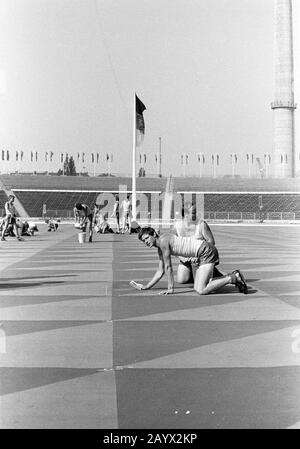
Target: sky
(203,69)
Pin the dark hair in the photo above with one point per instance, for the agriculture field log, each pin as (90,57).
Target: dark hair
(128,197)
(117,197)
(147,230)
(11,196)
(78,206)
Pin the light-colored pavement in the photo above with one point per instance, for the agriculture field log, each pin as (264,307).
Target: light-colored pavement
(81,349)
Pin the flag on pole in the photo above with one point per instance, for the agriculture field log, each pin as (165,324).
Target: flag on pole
(140,123)
(137,139)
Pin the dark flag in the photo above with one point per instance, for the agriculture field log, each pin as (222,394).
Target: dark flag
(140,123)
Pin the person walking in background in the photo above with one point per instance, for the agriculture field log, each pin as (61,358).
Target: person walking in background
(116,213)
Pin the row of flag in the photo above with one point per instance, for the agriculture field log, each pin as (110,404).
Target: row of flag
(48,156)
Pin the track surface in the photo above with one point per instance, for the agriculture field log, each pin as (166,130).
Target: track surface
(81,349)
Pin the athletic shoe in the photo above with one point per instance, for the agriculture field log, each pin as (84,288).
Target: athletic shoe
(3,239)
(20,239)
(240,282)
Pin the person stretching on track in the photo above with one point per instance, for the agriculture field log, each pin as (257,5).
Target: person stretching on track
(83,215)
(116,213)
(205,256)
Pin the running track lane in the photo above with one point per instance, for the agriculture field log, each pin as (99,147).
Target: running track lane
(221,361)
(84,350)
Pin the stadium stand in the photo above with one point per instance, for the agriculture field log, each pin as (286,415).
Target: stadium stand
(57,202)
(247,206)
(250,202)
(224,198)
(107,183)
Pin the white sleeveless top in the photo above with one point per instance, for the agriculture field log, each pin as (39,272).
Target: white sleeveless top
(185,246)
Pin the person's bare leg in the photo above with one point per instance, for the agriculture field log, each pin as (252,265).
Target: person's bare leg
(91,231)
(204,283)
(17,232)
(129,224)
(124,224)
(184,274)
(5,226)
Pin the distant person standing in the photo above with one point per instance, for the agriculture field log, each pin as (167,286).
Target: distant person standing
(127,207)
(44,210)
(83,215)
(261,213)
(10,218)
(116,213)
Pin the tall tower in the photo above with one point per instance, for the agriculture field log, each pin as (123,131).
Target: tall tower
(283,105)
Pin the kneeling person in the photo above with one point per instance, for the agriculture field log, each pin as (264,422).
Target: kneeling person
(204,254)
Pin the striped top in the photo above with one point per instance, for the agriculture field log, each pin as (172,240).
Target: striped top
(185,246)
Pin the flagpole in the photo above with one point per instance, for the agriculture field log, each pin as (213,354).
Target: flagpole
(134,161)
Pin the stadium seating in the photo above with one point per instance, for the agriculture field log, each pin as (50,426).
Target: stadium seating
(3,199)
(57,202)
(238,198)
(250,202)
(107,183)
